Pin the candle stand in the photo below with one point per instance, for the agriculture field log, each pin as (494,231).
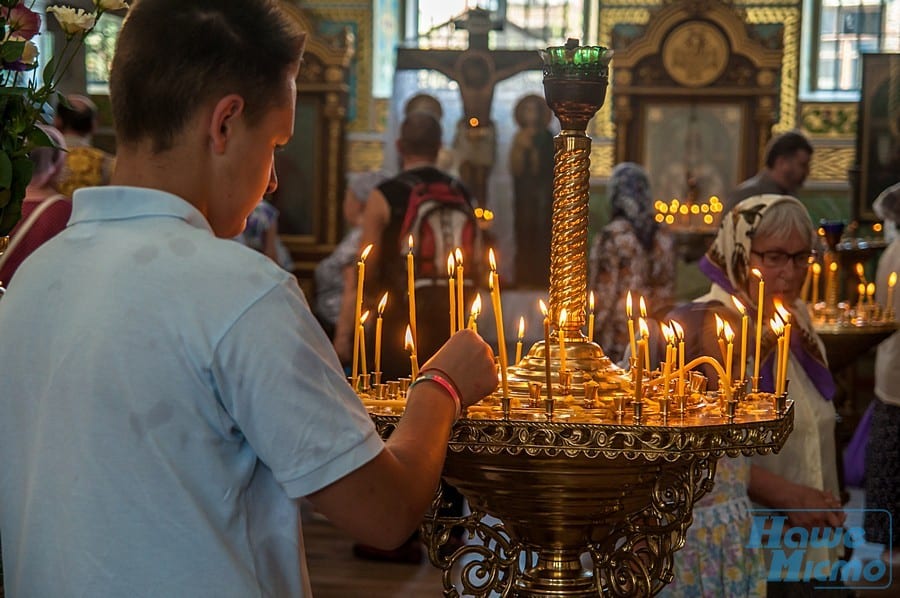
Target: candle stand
(582,461)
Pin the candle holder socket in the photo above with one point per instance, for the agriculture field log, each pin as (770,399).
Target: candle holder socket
(365,380)
(534,394)
(377,377)
(638,407)
(393,389)
(565,383)
(590,394)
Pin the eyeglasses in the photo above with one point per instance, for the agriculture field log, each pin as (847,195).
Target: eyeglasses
(779,259)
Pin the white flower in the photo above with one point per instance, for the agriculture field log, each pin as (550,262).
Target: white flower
(73,20)
(110,4)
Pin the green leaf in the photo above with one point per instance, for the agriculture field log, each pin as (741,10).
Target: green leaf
(9,216)
(6,171)
(11,51)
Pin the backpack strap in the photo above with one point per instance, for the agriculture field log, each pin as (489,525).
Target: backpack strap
(23,229)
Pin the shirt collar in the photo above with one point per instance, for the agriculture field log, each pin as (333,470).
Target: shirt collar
(93,204)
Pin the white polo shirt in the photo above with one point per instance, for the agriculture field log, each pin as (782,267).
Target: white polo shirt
(164,396)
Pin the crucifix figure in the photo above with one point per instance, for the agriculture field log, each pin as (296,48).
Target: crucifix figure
(476,70)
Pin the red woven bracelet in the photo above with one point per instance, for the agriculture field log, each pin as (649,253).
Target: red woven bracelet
(439,379)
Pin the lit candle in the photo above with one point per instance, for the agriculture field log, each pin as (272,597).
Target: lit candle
(785,316)
(804,290)
(411,289)
(679,334)
(381,306)
(729,354)
(362,342)
(547,372)
(817,271)
(474,312)
(760,295)
(413,361)
(669,335)
(861,297)
(831,285)
(643,356)
(744,324)
(645,332)
(360,280)
(861,272)
(561,333)
(639,372)
(892,282)
(629,314)
(870,293)
(451,271)
(720,329)
(460,293)
(521,336)
(778,329)
(494,286)
(591,316)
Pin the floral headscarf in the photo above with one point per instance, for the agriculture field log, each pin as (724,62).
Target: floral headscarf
(629,196)
(727,264)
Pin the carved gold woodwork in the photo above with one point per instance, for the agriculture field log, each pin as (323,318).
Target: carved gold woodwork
(311,190)
(697,52)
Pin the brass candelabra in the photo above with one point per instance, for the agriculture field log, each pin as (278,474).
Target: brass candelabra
(582,460)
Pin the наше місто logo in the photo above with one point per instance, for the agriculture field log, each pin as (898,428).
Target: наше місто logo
(802,554)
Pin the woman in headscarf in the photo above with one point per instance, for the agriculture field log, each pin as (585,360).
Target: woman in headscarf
(631,253)
(774,235)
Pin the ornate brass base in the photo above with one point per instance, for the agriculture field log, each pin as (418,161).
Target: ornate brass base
(622,494)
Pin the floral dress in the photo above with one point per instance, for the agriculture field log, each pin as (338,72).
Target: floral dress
(715,562)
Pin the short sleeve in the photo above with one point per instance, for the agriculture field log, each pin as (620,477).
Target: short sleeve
(279,378)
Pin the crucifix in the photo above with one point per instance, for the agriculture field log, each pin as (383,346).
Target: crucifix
(476,70)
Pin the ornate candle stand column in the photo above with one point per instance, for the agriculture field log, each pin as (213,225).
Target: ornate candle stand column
(577,464)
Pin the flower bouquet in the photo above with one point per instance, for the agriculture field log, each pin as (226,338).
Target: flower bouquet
(24,97)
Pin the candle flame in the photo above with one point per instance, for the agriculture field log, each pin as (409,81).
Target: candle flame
(729,333)
(408,342)
(668,333)
(410,243)
(563,316)
(628,304)
(833,266)
(458,254)
(451,265)
(382,304)
(870,289)
(491,280)
(491,259)
(892,279)
(521,327)
(720,325)
(476,306)
(364,317)
(740,306)
(643,307)
(777,325)
(543,307)
(591,300)
(817,269)
(861,289)
(642,325)
(781,309)
(679,331)
(756,273)
(860,271)
(365,252)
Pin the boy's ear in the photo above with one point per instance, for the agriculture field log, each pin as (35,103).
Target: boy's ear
(223,119)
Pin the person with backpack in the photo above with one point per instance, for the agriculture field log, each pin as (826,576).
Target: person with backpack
(437,210)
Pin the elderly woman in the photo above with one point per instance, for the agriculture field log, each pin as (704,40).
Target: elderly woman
(51,209)
(773,234)
(631,253)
